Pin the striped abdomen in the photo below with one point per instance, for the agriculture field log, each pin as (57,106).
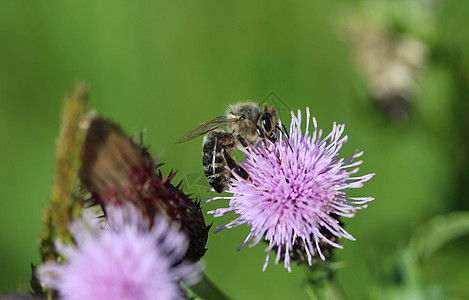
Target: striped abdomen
(214,163)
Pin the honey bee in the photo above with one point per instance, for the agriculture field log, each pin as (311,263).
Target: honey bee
(242,123)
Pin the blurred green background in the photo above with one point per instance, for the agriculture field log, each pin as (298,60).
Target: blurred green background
(166,66)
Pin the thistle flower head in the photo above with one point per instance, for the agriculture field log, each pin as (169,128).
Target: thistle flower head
(126,260)
(296,194)
(117,171)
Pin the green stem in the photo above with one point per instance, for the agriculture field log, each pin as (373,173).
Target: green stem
(321,283)
(63,203)
(207,290)
(69,143)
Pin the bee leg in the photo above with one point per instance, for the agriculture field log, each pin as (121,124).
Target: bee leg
(259,132)
(234,166)
(261,135)
(242,141)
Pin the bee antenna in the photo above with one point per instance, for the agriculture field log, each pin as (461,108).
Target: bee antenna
(278,128)
(284,131)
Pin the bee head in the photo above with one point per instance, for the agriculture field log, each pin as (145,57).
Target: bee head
(267,124)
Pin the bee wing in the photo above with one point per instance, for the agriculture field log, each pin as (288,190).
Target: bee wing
(203,128)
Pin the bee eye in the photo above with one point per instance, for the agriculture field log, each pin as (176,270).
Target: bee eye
(266,124)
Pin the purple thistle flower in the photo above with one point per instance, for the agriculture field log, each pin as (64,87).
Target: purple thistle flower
(126,260)
(297,192)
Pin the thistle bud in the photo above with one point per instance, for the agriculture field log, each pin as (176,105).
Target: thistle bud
(117,171)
